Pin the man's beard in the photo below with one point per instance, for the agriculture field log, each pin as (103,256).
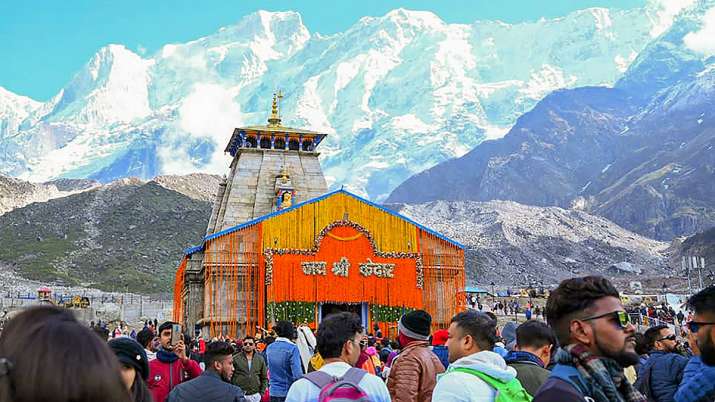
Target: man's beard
(707,351)
(622,357)
(223,377)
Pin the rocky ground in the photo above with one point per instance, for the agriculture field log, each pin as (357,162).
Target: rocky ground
(514,244)
(16,193)
(127,235)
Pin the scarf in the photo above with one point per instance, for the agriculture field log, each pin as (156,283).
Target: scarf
(165,356)
(519,356)
(362,359)
(605,376)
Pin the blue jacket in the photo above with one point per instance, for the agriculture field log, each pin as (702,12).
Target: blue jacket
(284,366)
(665,371)
(207,387)
(698,382)
(442,354)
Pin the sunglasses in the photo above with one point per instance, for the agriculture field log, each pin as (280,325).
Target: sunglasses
(668,338)
(621,317)
(247,343)
(694,326)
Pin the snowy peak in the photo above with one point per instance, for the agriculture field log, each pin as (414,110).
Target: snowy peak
(420,20)
(12,100)
(112,87)
(13,110)
(398,93)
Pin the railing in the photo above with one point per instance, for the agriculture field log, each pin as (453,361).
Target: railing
(643,322)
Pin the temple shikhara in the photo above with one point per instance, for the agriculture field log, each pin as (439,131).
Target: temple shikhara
(280,246)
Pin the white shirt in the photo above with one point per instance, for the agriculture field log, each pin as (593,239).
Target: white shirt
(305,391)
(150,355)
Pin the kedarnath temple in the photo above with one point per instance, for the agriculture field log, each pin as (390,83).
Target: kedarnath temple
(280,246)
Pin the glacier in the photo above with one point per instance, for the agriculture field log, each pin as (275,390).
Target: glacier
(397,94)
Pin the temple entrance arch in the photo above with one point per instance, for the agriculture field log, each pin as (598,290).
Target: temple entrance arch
(327,309)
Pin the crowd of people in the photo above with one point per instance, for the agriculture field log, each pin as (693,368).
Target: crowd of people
(587,349)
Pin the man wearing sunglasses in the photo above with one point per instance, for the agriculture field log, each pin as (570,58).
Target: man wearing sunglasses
(659,377)
(597,342)
(699,379)
(250,371)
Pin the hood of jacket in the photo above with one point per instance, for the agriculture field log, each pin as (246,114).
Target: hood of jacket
(489,363)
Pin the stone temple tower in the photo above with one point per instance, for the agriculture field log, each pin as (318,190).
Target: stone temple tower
(273,167)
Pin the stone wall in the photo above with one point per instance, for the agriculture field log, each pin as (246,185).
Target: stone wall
(250,188)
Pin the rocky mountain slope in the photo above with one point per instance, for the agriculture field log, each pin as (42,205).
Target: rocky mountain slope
(129,235)
(198,186)
(397,93)
(642,156)
(16,193)
(701,245)
(514,244)
(125,235)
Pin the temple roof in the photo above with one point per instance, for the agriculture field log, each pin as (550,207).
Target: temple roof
(192,250)
(273,127)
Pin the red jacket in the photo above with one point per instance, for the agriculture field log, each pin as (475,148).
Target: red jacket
(163,377)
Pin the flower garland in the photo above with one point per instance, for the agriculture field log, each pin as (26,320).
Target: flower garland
(314,267)
(295,312)
(380,270)
(319,238)
(269,267)
(382,313)
(341,268)
(420,272)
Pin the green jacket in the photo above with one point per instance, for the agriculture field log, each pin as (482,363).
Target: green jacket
(253,381)
(530,375)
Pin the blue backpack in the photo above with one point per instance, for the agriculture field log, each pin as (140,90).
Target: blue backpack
(571,375)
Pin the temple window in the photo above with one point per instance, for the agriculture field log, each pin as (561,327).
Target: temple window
(251,142)
(265,142)
(294,145)
(279,143)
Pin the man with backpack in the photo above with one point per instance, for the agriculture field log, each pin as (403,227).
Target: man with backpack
(597,340)
(476,374)
(338,342)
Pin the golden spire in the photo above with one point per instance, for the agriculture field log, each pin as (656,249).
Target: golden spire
(275,119)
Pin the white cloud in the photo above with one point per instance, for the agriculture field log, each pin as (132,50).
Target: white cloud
(666,11)
(703,41)
(208,113)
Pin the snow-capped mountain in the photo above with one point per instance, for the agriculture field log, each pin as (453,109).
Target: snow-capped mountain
(639,153)
(397,94)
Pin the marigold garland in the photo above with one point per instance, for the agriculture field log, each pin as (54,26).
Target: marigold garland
(382,313)
(295,312)
(269,252)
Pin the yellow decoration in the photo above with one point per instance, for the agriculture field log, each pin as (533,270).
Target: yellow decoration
(298,228)
(349,238)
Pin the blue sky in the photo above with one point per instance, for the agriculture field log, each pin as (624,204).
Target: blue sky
(43,43)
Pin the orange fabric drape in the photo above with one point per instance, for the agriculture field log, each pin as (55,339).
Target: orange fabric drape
(178,310)
(443,265)
(290,283)
(233,283)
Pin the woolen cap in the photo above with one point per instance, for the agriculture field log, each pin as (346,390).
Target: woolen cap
(439,338)
(416,325)
(131,353)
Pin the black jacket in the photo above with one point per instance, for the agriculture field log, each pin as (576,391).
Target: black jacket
(208,387)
